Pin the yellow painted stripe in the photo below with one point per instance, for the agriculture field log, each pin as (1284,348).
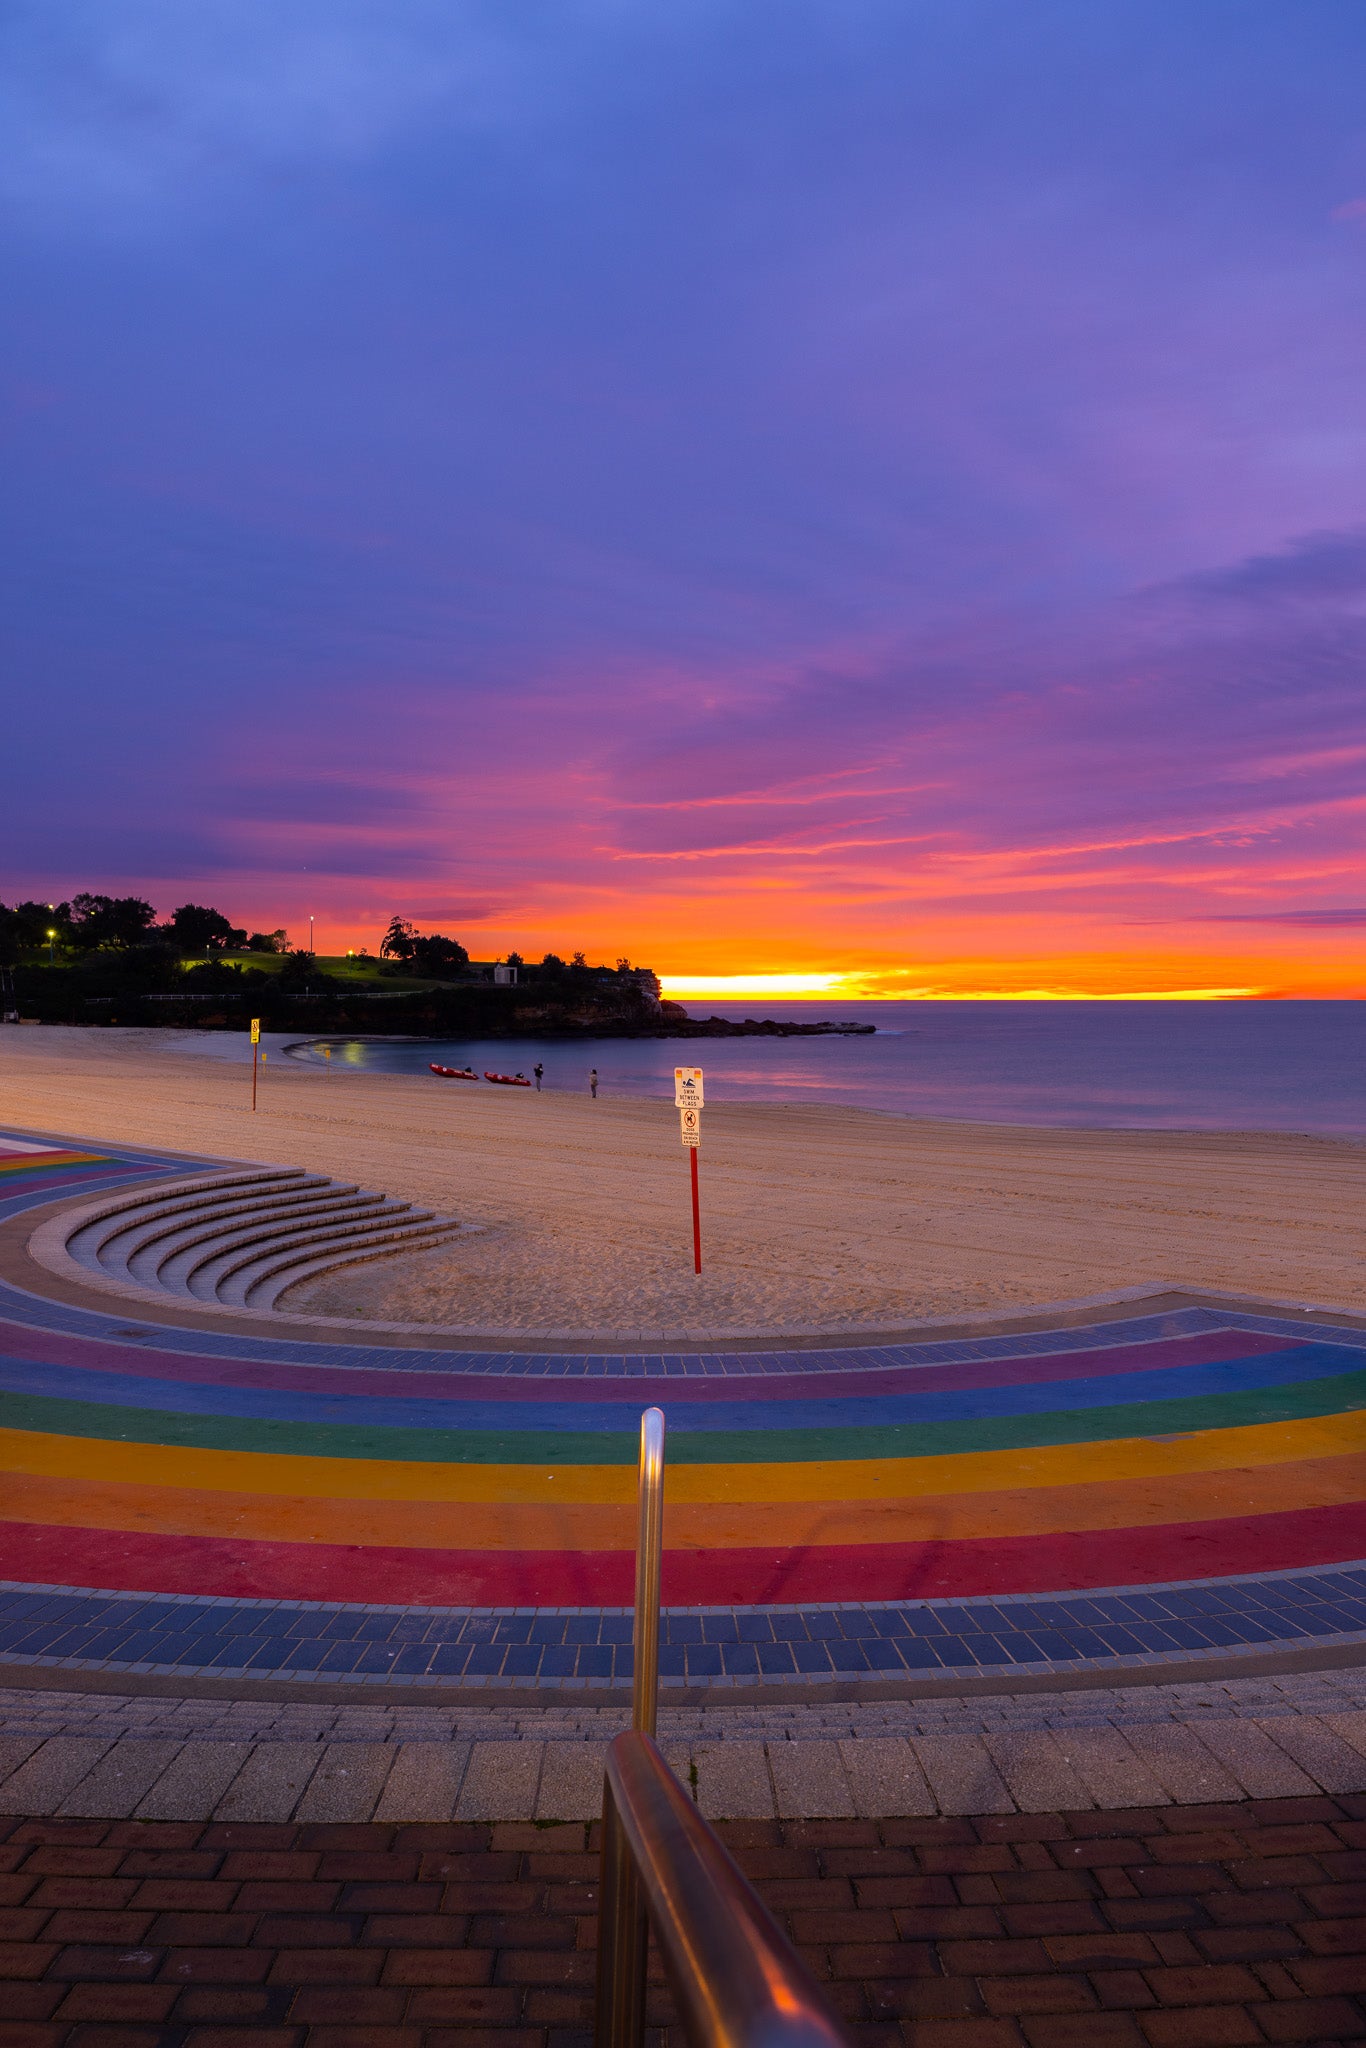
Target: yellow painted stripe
(1269,1443)
(583,1526)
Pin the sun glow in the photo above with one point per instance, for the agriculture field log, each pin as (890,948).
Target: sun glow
(740,987)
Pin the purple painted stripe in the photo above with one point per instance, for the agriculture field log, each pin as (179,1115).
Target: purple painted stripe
(94,1355)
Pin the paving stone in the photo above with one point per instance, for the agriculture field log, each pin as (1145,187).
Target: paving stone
(271,1782)
(120,1779)
(42,1783)
(809,1781)
(1351,1727)
(14,1749)
(1263,1770)
(1303,1698)
(733,1782)
(885,1777)
(193,1782)
(424,1782)
(1187,1771)
(347,1782)
(961,1774)
(678,1755)
(1036,1772)
(571,1781)
(501,1781)
(1323,1756)
(1112,1772)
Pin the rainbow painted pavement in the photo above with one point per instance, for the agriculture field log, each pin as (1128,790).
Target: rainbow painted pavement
(1131,1490)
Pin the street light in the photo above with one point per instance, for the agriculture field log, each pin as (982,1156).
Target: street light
(51,947)
(310,933)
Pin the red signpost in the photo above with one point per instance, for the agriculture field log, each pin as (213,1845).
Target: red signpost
(688,1102)
(696,1217)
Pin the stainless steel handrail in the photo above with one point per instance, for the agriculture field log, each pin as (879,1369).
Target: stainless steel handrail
(737,1981)
(649,1557)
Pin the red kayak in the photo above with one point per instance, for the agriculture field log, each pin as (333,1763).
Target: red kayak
(453,1073)
(509,1080)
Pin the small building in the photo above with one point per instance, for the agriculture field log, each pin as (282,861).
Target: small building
(503,975)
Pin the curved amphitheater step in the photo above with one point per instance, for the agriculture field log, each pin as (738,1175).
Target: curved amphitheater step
(243,1238)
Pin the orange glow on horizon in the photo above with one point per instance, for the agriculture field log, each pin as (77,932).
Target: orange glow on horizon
(681,988)
(1307,965)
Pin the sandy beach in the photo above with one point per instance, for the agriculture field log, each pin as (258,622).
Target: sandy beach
(814,1217)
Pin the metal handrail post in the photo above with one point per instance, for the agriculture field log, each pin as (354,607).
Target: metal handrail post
(736,1980)
(649,1557)
(624,1933)
(623,1939)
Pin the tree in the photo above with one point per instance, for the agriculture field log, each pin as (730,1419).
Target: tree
(269,942)
(300,972)
(437,955)
(398,940)
(578,960)
(109,921)
(25,928)
(429,953)
(553,964)
(196,929)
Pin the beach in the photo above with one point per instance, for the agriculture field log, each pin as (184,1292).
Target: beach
(815,1218)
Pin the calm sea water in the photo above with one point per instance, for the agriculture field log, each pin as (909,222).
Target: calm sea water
(1291,1066)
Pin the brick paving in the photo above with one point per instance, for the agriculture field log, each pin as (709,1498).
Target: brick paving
(1171,1927)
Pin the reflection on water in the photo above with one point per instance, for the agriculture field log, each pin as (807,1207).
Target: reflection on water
(1213,1066)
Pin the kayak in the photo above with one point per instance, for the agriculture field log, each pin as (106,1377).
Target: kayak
(509,1080)
(453,1073)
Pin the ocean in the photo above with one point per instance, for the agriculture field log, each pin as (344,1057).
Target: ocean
(1269,1066)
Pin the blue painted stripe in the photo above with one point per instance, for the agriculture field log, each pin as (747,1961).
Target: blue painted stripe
(1235,1375)
(104,1631)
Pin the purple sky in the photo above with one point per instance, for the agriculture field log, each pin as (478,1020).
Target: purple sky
(759,485)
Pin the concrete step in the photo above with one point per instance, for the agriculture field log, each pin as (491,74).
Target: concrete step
(132,1211)
(261,1284)
(214,1265)
(170,1261)
(131,1235)
(240,1238)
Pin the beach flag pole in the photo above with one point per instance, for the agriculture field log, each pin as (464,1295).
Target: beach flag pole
(255,1050)
(688,1103)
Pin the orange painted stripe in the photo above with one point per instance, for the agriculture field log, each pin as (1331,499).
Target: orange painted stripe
(586,1526)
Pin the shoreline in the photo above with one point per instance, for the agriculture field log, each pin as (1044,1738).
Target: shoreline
(847,1221)
(291,1047)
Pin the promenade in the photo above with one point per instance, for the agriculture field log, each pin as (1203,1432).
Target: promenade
(1023,1664)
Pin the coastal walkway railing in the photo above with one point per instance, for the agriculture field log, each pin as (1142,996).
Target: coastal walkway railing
(736,1979)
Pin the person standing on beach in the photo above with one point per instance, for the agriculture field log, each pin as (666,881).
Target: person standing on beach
(593,1082)
(538,1070)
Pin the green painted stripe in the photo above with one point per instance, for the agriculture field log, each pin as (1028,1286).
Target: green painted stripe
(1341,1393)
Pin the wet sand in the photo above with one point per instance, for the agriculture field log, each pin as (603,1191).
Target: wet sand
(814,1217)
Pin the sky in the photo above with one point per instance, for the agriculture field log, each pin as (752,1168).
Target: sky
(871,492)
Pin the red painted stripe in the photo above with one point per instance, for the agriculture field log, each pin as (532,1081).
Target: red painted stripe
(52,1348)
(133,1561)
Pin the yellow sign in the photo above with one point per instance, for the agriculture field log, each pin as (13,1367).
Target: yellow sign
(690,1126)
(256,1030)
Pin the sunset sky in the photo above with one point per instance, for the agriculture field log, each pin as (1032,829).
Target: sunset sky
(868,489)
